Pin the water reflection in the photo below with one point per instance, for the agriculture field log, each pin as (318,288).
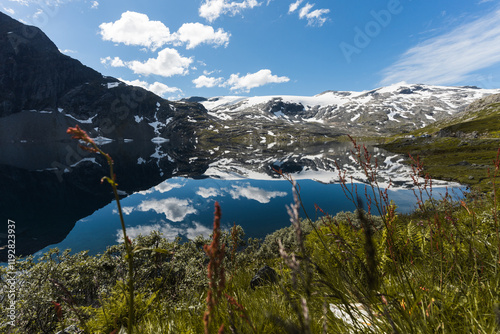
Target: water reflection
(171,187)
(47,196)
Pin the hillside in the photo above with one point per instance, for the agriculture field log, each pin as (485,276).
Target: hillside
(461,148)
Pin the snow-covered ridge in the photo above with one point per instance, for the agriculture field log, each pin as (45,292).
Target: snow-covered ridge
(409,105)
(400,91)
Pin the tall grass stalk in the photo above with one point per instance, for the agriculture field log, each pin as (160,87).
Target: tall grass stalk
(79,134)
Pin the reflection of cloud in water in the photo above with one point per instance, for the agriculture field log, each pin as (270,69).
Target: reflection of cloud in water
(174,209)
(257,194)
(168,231)
(127,209)
(208,192)
(165,186)
(162,188)
(198,229)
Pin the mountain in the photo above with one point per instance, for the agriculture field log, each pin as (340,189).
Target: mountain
(387,110)
(43,91)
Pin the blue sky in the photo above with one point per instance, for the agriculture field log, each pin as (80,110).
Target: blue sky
(181,48)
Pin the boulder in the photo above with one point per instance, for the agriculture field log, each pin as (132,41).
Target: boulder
(265,275)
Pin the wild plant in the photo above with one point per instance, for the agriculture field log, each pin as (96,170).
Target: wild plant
(216,273)
(89,145)
(397,273)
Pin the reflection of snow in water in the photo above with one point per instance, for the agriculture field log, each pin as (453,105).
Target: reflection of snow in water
(321,167)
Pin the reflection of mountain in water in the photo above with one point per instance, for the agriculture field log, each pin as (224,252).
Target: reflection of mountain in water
(46,190)
(319,162)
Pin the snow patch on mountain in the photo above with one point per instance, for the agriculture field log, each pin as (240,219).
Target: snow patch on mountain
(401,106)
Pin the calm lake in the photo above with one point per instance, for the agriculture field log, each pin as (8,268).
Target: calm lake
(54,194)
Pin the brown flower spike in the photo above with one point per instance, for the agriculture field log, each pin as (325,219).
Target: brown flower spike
(79,134)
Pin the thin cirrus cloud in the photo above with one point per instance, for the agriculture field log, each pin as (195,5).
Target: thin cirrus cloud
(137,29)
(451,57)
(314,17)
(212,9)
(9,10)
(241,83)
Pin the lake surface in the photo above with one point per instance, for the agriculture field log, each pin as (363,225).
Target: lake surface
(53,192)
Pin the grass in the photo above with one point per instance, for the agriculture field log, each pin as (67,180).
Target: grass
(435,270)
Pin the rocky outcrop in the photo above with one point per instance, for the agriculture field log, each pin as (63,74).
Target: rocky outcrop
(483,103)
(34,75)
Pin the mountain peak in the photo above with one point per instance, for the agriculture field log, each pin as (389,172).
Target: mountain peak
(33,73)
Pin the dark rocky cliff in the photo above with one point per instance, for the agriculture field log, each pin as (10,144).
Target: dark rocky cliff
(33,73)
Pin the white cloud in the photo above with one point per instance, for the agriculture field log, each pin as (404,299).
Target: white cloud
(212,9)
(253,80)
(254,193)
(67,51)
(315,17)
(21,2)
(114,62)
(451,57)
(137,29)
(168,63)
(38,13)
(173,208)
(293,6)
(204,81)
(9,10)
(159,89)
(208,192)
(94,5)
(235,82)
(195,34)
